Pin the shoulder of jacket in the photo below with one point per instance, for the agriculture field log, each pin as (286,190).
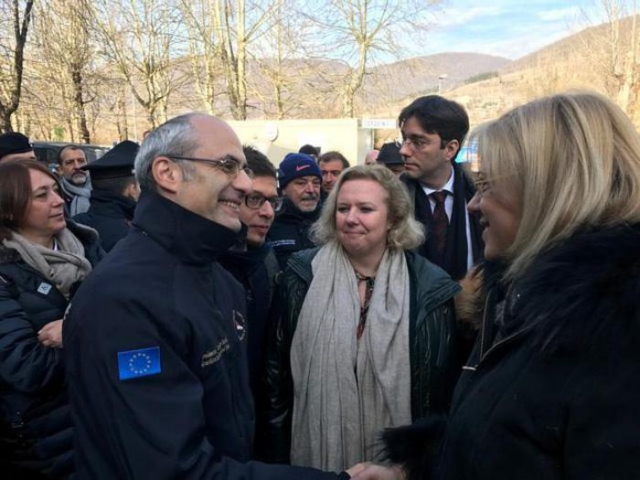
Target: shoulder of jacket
(430,280)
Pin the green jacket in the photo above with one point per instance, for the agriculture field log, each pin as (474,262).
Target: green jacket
(434,356)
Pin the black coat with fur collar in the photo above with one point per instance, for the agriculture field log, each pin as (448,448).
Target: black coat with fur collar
(554,393)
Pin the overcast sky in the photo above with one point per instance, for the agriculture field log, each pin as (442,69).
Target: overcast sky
(507,28)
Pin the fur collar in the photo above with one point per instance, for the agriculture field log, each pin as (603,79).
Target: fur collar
(584,292)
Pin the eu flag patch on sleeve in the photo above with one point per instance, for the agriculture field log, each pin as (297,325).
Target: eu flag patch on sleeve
(139,363)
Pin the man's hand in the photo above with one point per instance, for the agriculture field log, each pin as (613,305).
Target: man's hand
(353,471)
(51,334)
(378,472)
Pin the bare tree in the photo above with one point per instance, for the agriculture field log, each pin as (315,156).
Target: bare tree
(141,39)
(65,55)
(611,51)
(237,27)
(357,31)
(13,40)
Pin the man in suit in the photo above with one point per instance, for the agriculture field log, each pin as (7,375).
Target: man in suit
(433,129)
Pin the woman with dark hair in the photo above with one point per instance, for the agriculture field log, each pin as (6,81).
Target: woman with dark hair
(368,336)
(552,388)
(43,259)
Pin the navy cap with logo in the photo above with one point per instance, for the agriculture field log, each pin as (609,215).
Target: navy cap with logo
(390,154)
(14,142)
(116,163)
(297,165)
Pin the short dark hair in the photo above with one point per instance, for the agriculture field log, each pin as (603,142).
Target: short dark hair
(259,163)
(334,155)
(15,193)
(113,184)
(69,147)
(309,150)
(438,115)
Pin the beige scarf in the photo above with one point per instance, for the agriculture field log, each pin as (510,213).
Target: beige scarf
(346,391)
(63,267)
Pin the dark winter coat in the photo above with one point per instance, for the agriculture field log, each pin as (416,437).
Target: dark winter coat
(551,390)
(256,269)
(35,422)
(110,214)
(432,341)
(290,231)
(155,344)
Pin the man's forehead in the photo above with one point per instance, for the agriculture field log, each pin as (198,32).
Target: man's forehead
(69,154)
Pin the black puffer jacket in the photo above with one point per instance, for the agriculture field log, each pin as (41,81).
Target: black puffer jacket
(35,422)
(432,336)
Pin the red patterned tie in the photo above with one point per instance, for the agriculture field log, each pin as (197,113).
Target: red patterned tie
(440,225)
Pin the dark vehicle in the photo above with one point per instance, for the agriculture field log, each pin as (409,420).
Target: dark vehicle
(47,152)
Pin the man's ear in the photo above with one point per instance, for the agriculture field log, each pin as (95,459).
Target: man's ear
(451,148)
(167,175)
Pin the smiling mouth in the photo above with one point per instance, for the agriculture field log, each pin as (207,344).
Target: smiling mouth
(231,204)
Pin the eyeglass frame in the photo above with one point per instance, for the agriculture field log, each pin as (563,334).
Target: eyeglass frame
(219,164)
(275,202)
(421,143)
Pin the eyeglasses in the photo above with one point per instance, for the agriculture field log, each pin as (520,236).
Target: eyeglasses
(229,165)
(482,184)
(257,200)
(416,143)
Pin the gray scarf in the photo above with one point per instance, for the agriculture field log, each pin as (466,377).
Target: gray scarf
(80,196)
(346,391)
(63,267)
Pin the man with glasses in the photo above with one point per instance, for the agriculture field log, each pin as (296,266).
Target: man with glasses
(433,129)
(155,338)
(253,263)
(299,179)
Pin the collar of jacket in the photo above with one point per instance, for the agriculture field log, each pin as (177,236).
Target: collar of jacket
(582,293)
(188,236)
(105,200)
(291,214)
(245,260)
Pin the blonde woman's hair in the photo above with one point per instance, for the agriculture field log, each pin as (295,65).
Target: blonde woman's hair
(405,232)
(571,162)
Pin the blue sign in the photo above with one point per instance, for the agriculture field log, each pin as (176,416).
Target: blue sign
(139,363)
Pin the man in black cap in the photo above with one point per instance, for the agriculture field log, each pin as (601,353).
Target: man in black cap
(390,157)
(114,195)
(15,146)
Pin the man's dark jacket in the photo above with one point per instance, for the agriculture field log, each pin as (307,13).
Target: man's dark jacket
(255,268)
(456,249)
(110,214)
(290,231)
(432,341)
(188,415)
(35,423)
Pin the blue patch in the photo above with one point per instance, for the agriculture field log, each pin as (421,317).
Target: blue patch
(139,363)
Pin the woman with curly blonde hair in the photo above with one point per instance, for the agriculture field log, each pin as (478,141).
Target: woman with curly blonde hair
(367,338)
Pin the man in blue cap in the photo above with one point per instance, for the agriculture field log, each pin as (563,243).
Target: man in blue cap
(299,179)
(114,195)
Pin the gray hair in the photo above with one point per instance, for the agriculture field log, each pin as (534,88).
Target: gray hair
(405,233)
(176,137)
